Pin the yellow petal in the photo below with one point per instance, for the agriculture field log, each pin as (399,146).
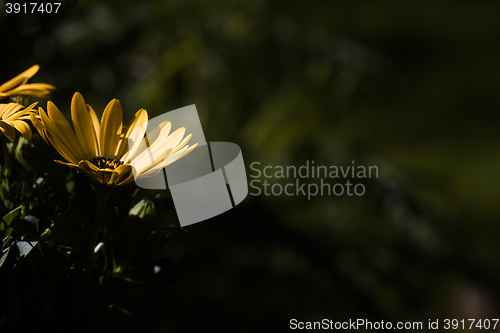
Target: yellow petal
(150,155)
(172,140)
(3,109)
(23,128)
(60,129)
(60,134)
(84,127)
(149,173)
(147,170)
(15,111)
(170,159)
(182,143)
(9,109)
(190,149)
(93,172)
(122,175)
(135,133)
(97,125)
(39,127)
(12,83)
(19,79)
(141,165)
(88,165)
(27,74)
(7,130)
(32,89)
(163,130)
(66,163)
(111,128)
(64,151)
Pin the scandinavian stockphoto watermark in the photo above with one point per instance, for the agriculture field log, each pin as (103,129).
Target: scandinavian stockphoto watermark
(212,178)
(310,180)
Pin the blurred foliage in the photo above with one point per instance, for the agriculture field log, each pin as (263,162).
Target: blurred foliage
(408,86)
(48,282)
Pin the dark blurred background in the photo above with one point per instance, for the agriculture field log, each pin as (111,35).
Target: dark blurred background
(411,87)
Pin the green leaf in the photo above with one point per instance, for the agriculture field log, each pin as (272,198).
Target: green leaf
(3,208)
(7,219)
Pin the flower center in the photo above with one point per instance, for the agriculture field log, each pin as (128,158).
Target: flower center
(106,162)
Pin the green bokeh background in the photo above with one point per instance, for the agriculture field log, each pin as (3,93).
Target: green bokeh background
(411,87)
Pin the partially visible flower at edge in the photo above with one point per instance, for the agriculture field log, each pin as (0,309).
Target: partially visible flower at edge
(17,86)
(101,151)
(12,118)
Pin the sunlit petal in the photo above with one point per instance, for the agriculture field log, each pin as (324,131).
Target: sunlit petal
(135,133)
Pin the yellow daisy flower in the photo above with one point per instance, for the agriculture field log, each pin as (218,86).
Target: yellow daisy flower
(12,118)
(101,149)
(18,86)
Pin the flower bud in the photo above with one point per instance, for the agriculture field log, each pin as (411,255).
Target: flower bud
(20,100)
(29,154)
(144,209)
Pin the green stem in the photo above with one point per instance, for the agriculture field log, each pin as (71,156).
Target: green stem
(102,199)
